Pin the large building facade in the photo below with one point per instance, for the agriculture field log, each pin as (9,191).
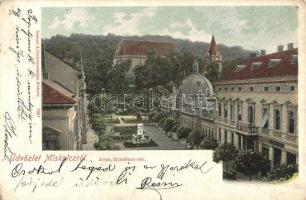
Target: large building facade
(257,104)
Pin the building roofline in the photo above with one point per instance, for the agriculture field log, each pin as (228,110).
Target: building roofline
(67,100)
(140,40)
(73,67)
(247,73)
(258,80)
(58,105)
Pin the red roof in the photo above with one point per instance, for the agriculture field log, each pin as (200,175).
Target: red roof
(141,47)
(53,96)
(213,49)
(283,68)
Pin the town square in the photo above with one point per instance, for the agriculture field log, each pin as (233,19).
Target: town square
(150,78)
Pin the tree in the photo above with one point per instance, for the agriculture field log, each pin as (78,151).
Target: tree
(97,124)
(117,78)
(105,143)
(168,125)
(154,118)
(151,116)
(196,137)
(176,126)
(162,116)
(225,152)
(250,162)
(209,143)
(138,117)
(183,133)
(212,70)
(282,173)
(230,65)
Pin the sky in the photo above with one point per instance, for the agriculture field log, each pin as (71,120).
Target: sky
(253,28)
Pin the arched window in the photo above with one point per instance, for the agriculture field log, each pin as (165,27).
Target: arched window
(291,122)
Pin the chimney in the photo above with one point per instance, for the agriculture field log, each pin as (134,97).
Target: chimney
(280,48)
(253,54)
(290,46)
(262,52)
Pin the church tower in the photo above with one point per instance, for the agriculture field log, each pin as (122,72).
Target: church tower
(213,52)
(214,55)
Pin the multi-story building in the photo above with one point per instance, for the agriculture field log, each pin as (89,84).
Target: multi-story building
(137,51)
(257,106)
(58,72)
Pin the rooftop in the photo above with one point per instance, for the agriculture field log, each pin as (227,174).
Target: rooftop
(266,66)
(141,47)
(53,95)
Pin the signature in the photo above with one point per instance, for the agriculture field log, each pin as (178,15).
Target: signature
(148,184)
(9,133)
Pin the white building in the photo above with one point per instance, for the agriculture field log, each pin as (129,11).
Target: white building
(258,106)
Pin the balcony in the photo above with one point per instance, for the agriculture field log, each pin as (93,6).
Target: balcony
(247,128)
(232,122)
(280,135)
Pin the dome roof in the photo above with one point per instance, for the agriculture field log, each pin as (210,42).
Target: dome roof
(196,83)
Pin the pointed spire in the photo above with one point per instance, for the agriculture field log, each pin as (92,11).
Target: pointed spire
(195,66)
(213,52)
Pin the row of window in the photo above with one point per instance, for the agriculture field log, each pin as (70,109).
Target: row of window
(265,116)
(242,141)
(251,88)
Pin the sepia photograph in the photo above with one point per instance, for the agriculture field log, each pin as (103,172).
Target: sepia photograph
(220,78)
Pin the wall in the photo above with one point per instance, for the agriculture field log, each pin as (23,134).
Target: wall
(61,119)
(62,73)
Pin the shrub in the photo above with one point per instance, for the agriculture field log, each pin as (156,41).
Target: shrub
(196,138)
(126,130)
(209,143)
(250,162)
(226,153)
(282,173)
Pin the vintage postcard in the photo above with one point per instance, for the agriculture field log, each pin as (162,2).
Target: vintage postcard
(152,100)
